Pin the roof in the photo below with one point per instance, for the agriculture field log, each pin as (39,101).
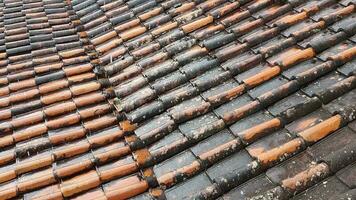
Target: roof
(174,99)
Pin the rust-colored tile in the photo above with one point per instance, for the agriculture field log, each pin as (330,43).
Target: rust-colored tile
(103,38)
(182,8)
(280,152)
(22,85)
(258,131)
(63,121)
(71,150)
(36,180)
(94,111)
(305,178)
(73,169)
(59,109)
(85,88)
(67,136)
(118,171)
(50,192)
(197,24)
(56,97)
(78,69)
(22,96)
(322,129)
(33,163)
(109,45)
(133,32)
(100,123)
(7,156)
(90,98)
(262,76)
(8,190)
(5,114)
(30,132)
(128,25)
(299,56)
(150,14)
(48,67)
(164,28)
(128,192)
(92,194)
(71,53)
(80,183)
(28,119)
(6,141)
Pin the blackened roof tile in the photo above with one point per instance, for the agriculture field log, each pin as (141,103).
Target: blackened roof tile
(172,99)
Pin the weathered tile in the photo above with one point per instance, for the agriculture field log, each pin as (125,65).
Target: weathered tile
(174,163)
(229,84)
(307,121)
(286,103)
(348,68)
(342,102)
(234,104)
(249,189)
(188,188)
(274,140)
(170,138)
(229,164)
(301,67)
(337,150)
(249,122)
(188,128)
(212,142)
(325,189)
(335,50)
(268,86)
(347,175)
(250,72)
(290,167)
(322,83)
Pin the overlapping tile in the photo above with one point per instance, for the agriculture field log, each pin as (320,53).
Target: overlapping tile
(175,99)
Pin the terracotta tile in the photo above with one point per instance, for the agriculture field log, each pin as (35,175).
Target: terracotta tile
(281,152)
(197,24)
(30,132)
(321,130)
(100,123)
(308,121)
(106,136)
(63,121)
(129,191)
(92,194)
(164,28)
(36,180)
(90,98)
(306,178)
(56,97)
(33,163)
(80,183)
(336,150)
(29,119)
(66,135)
(7,156)
(52,191)
(75,61)
(8,190)
(71,149)
(74,165)
(117,169)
